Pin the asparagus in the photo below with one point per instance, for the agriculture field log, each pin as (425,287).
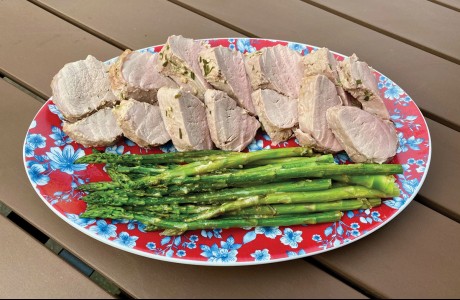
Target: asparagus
(377,182)
(123,197)
(180,227)
(327,158)
(333,194)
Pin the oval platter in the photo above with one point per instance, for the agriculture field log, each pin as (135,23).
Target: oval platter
(49,156)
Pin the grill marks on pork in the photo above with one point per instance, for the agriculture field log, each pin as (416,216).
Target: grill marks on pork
(184,116)
(224,70)
(136,75)
(277,113)
(98,129)
(81,88)
(277,68)
(317,95)
(142,123)
(356,78)
(179,61)
(231,127)
(365,137)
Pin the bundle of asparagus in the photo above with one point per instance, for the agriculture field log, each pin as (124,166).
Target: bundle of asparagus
(176,192)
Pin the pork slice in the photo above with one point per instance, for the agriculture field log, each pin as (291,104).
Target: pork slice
(317,95)
(136,75)
(356,78)
(224,70)
(81,88)
(231,127)
(184,116)
(98,129)
(142,123)
(277,113)
(179,61)
(365,137)
(277,68)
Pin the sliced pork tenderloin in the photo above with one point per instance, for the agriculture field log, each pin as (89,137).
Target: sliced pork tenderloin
(142,123)
(317,95)
(136,75)
(98,129)
(81,88)
(365,137)
(224,70)
(232,128)
(277,68)
(277,113)
(179,61)
(323,62)
(184,116)
(356,78)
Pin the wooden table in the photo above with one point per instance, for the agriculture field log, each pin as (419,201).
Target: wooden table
(416,43)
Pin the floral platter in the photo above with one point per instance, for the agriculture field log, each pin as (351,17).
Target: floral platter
(49,156)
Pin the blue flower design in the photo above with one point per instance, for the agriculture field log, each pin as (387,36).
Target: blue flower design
(261,255)
(393,92)
(245,45)
(297,47)
(396,202)
(103,229)
(115,149)
(257,145)
(129,142)
(409,185)
(294,254)
(35,141)
(64,160)
(36,174)
(181,253)
(354,225)
(231,40)
(80,221)
(55,111)
(29,151)
(33,124)
(168,147)
(317,238)
(125,239)
(151,246)
(270,232)
(59,137)
(405,144)
(226,253)
(355,233)
(209,234)
(193,238)
(231,47)
(411,161)
(291,238)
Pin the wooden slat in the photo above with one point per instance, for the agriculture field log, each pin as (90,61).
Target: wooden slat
(35,45)
(144,22)
(440,187)
(142,277)
(426,77)
(451,4)
(414,256)
(29,270)
(426,25)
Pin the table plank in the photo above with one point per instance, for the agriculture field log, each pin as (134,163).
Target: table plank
(424,24)
(452,4)
(141,28)
(29,270)
(35,45)
(415,256)
(426,77)
(440,187)
(139,276)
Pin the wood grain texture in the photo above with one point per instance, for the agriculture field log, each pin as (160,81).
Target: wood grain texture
(424,24)
(414,256)
(29,270)
(139,276)
(451,4)
(426,77)
(35,45)
(143,23)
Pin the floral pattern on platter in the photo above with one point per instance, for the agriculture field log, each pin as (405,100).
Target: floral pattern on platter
(49,156)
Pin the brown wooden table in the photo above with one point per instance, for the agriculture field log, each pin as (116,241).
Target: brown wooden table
(416,43)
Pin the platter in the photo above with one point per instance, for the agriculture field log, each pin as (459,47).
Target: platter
(49,156)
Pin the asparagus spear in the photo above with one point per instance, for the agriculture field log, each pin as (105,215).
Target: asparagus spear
(377,182)
(326,158)
(333,194)
(180,227)
(123,197)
